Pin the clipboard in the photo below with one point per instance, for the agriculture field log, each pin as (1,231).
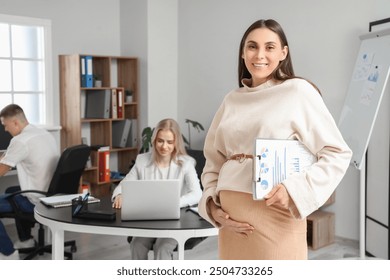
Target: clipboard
(275,160)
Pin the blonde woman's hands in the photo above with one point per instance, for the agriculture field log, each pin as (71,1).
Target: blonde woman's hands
(117,202)
(222,218)
(278,196)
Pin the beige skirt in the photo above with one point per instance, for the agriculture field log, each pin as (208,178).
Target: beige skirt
(277,235)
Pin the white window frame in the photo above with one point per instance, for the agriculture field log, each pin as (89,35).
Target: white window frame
(48,118)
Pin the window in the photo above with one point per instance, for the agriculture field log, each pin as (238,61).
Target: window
(25,66)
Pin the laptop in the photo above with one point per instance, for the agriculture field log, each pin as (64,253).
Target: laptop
(150,200)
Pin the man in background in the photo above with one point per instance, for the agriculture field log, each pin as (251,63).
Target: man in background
(34,153)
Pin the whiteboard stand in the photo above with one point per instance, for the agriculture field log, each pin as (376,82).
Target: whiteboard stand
(362,239)
(368,83)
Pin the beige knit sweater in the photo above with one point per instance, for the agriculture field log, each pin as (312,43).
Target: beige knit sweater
(289,110)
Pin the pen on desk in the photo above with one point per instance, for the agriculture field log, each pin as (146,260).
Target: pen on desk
(86,196)
(78,208)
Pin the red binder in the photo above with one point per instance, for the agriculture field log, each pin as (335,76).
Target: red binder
(104,166)
(120,103)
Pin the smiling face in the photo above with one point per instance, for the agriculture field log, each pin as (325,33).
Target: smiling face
(262,53)
(165,143)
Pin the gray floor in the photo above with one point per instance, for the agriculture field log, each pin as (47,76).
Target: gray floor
(114,247)
(107,247)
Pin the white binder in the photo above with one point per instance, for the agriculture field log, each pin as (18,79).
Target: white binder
(120,133)
(98,104)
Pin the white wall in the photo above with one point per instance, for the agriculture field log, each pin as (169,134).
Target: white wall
(162,59)
(149,31)
(134,42)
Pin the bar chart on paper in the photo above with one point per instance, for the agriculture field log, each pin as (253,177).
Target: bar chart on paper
(275,160)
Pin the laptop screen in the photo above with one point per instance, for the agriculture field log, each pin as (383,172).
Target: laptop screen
(151,199)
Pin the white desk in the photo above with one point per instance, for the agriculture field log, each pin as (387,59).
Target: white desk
(60,220)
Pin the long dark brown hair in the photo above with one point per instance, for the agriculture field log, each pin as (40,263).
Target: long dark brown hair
(285,69)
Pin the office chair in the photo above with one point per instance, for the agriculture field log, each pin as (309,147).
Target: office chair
(200,162)
(65,180)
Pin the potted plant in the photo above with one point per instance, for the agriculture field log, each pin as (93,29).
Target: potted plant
(97,81)
(196,125)
(129,96)
(146,139)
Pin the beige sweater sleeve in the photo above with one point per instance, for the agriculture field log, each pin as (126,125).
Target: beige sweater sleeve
(212,168)
(317,129)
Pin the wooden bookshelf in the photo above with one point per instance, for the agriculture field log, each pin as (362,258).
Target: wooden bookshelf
(115,72)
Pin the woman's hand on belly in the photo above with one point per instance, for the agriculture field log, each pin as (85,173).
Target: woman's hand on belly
(224,220)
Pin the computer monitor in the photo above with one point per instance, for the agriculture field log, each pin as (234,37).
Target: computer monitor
(5,138)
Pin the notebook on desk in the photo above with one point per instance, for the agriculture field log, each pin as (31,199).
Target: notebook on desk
(64,200)
(150,200)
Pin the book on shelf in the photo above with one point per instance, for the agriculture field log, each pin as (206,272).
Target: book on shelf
(114,102)
(104,166)
(98,104)
(88,72)
(120,133)
(132,140)
(120,103)
(82,70)
(83,103)
(275,161)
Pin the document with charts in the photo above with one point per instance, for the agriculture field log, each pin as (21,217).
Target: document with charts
(275,160)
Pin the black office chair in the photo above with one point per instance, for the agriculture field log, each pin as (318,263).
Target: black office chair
(65,180)
(200,162)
